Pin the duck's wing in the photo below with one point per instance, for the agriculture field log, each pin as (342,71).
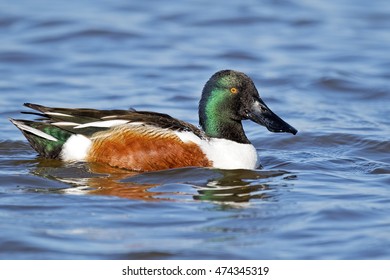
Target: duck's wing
(89,121)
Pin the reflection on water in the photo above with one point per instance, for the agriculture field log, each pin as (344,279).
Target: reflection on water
(206,184)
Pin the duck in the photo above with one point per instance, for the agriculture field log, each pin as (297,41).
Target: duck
(146,141)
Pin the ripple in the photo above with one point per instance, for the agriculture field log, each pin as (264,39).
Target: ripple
(44,24)
(305,22)
(340,84)
(88,34)
(236,21)
(24,57)
(8,21)
(239,55)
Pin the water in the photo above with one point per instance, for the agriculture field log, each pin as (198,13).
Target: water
(323,67)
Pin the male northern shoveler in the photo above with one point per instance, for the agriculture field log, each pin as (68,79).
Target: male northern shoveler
(147,141)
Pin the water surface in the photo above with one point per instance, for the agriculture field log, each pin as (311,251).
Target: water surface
(323,67)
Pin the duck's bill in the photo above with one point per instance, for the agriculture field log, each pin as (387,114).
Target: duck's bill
(261,114)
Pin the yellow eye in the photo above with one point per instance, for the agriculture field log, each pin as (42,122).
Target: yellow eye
(234,90)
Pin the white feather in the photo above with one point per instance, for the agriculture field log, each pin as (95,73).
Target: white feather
(103,123)
(109,117)
(34,131)
(227,154)
(224,154)
(65,124)
(76,148)
(57,114)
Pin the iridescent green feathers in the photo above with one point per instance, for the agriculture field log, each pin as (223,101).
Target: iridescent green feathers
(45,138)
(220,104)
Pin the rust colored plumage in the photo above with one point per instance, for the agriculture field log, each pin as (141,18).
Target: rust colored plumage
(144,149)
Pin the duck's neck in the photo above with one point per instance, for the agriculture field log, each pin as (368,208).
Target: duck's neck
(230,130)
(217,123)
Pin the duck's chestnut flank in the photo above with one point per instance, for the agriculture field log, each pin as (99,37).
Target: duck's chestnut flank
(145,151)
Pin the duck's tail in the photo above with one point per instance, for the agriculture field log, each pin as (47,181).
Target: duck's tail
(45,138)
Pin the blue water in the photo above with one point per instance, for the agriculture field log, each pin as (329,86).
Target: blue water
(323,67)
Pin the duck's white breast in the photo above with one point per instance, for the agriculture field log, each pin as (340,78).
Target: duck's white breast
(224,154)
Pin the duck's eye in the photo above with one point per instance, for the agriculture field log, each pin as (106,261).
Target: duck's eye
(233,90)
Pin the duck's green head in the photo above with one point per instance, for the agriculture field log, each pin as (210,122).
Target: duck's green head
(230,97)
